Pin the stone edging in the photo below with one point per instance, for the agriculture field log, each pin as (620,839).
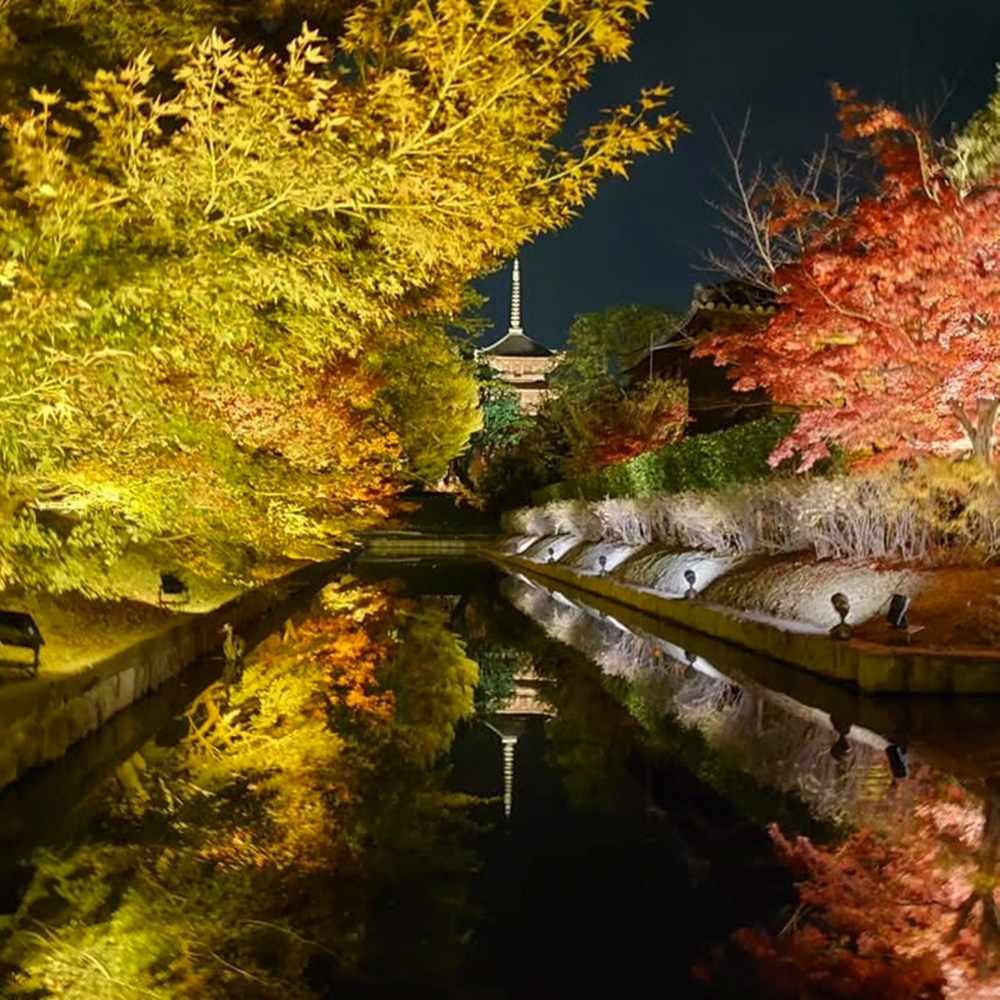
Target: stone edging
(51,713)
(867,666)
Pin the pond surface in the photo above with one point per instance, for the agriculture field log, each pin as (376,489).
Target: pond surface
(437,780)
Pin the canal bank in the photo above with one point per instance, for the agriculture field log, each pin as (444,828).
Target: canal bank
(44,715)
(442,888)
(860,664)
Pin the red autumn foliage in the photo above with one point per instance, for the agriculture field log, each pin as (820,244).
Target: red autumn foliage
(905,912)
(616,428)
(888,335)
(351,650)
(844,939)
(332,427)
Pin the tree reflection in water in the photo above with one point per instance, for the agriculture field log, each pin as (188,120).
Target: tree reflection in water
(304,839)
(299,839)
(905,906)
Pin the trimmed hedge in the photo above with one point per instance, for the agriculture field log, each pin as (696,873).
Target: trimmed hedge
(704,463)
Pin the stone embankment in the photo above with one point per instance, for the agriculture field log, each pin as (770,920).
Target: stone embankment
(44,715)
(781,610)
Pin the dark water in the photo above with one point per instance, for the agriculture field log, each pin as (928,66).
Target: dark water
(372,843)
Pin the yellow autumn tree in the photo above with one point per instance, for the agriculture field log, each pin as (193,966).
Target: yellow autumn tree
(192,246)
(436,413)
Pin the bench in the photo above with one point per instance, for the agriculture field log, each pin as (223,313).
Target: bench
(903,636)
(18,628)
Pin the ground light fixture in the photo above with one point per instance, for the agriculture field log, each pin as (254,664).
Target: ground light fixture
(842,605)
(841,747)
(898,606)
(171,585)
(896,755)
(690,670)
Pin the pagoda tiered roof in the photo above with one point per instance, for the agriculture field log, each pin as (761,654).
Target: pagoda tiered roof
(517,344)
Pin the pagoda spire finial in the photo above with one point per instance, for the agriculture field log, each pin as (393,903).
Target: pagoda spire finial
(509,746)
(515,298)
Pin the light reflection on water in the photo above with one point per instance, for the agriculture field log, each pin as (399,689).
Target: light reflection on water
(339,830)
(922,773)
(796,747)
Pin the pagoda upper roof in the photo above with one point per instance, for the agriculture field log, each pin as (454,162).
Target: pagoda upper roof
(517,344)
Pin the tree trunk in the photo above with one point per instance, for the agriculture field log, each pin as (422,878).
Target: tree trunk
(986,419)
(980,433)
(982,893)
(990,923)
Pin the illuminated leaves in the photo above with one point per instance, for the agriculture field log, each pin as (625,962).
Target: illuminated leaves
(434,416)
(884,914)
(270,222)
(888,335)
(974,155)
(615,428)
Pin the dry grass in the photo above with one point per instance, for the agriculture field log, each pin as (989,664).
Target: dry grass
(937,513)
(79,630)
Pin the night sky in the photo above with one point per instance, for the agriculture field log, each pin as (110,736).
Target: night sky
(642,240)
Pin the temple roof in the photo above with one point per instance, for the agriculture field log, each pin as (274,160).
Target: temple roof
(735,294)
(517,344)
(732,301)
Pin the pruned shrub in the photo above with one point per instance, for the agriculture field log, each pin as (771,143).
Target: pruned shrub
(574,517)
(625,521)
(707,462)
(532,521)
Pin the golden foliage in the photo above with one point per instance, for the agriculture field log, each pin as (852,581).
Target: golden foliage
(209,287)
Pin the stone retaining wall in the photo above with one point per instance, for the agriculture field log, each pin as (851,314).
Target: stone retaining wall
(866,666)
(43,717)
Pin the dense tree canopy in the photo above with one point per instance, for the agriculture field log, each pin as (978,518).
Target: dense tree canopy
(600,346)
(888,335)
(213,256)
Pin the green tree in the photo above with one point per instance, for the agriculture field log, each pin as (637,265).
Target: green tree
(504,422)
(503,425)
(600,346)
(974,154)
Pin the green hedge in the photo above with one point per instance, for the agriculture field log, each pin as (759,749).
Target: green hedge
(708,462)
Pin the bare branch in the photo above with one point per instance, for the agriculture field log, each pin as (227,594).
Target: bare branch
(756,246)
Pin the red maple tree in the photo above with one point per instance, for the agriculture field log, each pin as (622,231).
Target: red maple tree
(904,910)
(888,335)
(616,428)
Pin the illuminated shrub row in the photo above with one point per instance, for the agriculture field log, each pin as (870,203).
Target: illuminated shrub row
(707,462)
(936,512)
